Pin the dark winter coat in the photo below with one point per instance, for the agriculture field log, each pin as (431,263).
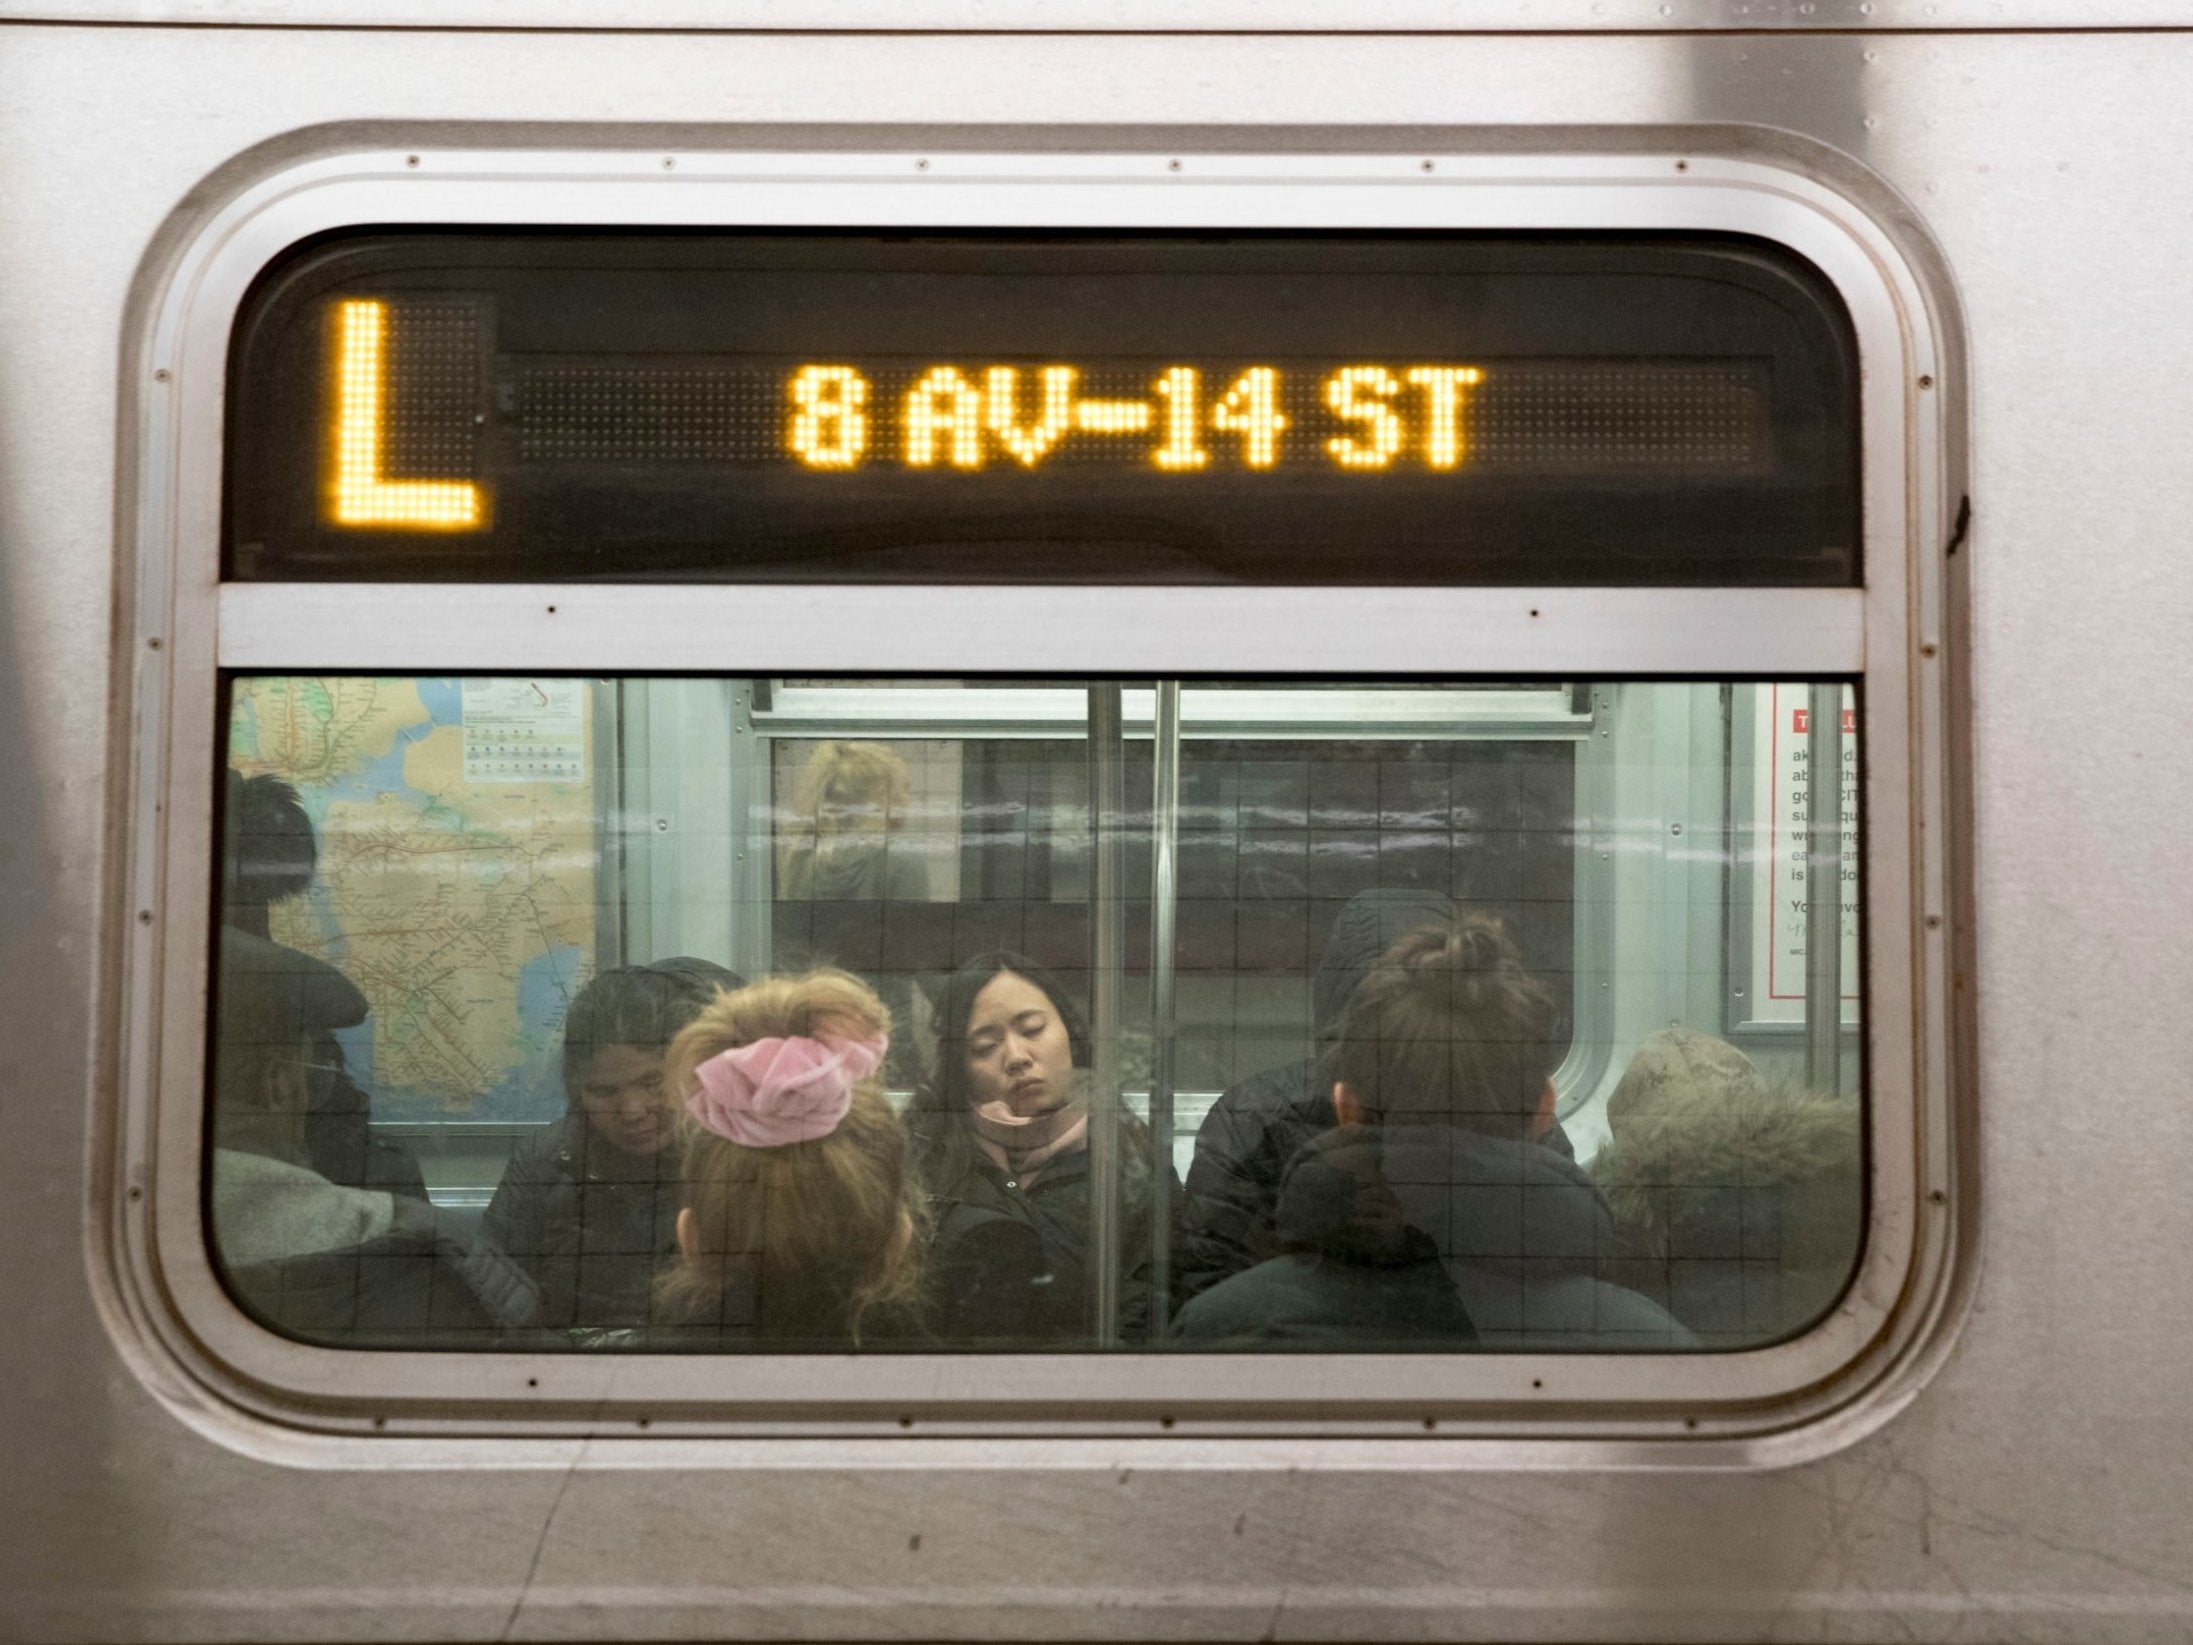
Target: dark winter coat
(590,1223)
(1356,1272)
(1256,1128)
(339,1132)
(1010,1265)
(1400,1237)
(1737,1207)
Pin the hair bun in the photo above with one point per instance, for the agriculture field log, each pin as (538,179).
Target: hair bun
(1474,942)
(1451,1027)
(784,1089)
(1480,942)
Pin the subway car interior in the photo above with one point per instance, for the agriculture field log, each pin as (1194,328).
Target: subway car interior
(901,829)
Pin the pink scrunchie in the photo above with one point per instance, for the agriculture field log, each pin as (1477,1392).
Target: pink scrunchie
(779,1091)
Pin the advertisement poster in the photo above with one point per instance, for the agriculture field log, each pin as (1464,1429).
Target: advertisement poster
(1783,796)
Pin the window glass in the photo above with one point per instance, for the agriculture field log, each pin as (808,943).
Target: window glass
(746,1015)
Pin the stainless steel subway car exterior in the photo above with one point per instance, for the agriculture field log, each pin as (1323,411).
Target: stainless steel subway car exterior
(1930,368)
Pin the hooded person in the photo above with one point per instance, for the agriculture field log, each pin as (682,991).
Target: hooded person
(588,1206)
(1255,1129)
(1737,1206)
(315,1258)
(1432,1215)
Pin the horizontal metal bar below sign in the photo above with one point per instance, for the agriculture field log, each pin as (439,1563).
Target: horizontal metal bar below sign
(1044,632)
(1540,713)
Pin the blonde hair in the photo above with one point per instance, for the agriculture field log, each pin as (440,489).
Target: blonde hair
(844,770)
(819,1225)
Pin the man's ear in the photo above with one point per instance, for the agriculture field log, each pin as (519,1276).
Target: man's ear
(1542,1121)
(1347,1106)
(689,1235)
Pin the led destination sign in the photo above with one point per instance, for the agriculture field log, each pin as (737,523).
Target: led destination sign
(1260,408)
(966,416)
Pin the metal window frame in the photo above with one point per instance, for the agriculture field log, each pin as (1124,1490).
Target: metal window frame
(1138,16)
(1833,1382)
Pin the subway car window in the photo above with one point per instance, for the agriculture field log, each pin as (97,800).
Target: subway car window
(822,1015)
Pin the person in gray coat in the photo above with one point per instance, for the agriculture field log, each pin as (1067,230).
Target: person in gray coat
(1433,1217)
(318,1259)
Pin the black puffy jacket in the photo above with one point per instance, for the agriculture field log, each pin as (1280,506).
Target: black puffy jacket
(590,1223)
(1010,1265)
(1422,1236)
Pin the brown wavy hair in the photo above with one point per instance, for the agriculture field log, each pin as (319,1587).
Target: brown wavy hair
(1450,1029)
(818,1229)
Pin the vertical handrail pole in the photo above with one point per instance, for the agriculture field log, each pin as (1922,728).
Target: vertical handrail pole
(1824,888)
(1164,910)
(1108,941)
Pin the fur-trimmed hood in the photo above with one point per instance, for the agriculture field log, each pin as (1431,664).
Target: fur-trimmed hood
(1678,1161)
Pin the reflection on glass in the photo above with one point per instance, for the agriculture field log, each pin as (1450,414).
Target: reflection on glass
(729,1015)
(850,803)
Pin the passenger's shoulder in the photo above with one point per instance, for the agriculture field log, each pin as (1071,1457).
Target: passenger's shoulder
(1247,1304)
(550,1153)
(1270,1091)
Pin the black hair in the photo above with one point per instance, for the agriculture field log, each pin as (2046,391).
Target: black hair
(642,1005)
(269,852)
(949,1083)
